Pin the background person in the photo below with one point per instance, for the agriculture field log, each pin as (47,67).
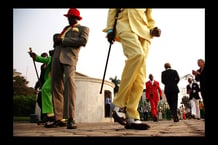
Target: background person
(153,91)
(170,79)
(193,90)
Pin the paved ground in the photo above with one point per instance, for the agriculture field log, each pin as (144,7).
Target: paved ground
(183,128)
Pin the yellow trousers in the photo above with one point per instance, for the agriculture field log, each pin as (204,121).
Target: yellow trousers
(134,73)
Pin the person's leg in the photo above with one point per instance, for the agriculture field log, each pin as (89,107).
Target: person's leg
(153,110)
(39,101)
(197,108)
(57,88)
(141,49)
(47,105)
(108,110)
(132,80)
(135,59)
(172,99)
(174,106)
(69,91)
(69,95)
(193,108)
(133,76)
(169,101)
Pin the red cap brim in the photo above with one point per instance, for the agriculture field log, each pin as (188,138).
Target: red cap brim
(80,18)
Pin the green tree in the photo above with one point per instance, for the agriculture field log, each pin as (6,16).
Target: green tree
(20,86)
(116,82)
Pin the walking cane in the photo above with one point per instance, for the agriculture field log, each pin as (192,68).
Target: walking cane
(35,68)
(115,22)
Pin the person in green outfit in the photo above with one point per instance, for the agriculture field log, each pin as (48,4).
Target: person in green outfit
(47,104)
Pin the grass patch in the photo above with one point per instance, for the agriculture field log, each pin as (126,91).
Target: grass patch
(21,118)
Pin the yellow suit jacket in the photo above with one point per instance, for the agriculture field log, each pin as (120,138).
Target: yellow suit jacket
(139,21)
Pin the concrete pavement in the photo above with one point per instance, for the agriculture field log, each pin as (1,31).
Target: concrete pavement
(165,128)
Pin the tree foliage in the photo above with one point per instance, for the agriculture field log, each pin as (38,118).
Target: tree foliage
(23,96)
(20,86)
(24,105)
(116,82)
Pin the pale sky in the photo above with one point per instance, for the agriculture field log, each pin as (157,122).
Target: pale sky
(182,42)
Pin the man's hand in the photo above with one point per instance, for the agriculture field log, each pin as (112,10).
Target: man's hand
(110,37)
(57,40)
(156,32)
(33,55)
(195,72)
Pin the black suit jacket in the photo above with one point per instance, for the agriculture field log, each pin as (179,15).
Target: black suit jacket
(170,79)
(201,78)
(193,91)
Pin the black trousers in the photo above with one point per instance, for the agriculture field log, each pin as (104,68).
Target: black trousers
(107,110)
(39,101)
(172,100)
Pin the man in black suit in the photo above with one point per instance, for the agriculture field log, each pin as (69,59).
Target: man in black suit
(200,77)
(193,90)
(170,79)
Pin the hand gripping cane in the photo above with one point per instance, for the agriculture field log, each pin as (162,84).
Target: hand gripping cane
(115,22)
(35,68)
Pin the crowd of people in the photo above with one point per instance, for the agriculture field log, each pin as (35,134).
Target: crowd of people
(170,78)
(134,29)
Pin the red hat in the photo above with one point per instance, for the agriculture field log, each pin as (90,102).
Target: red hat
(73,12)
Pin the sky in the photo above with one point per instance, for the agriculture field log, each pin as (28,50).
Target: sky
(181,43)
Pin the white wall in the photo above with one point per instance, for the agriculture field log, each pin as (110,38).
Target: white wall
(89,101)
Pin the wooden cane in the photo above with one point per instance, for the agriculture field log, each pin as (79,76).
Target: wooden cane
(35,67)
(115,22)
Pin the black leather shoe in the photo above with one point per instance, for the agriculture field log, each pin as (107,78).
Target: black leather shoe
(71,124)
(119,115)
(41,122)
(55,124)
(176,119)
(136,124)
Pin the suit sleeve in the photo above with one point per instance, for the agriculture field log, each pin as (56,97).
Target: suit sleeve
(110,19)
(163,78)
(197,77)
(151,21)
(43,59)
(177,79)
(77,41)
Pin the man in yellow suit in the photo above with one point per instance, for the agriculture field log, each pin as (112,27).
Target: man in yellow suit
(134,30)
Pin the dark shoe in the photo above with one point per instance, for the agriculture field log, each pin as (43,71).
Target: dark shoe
(71,124)
(43,121)
(119,115)
(136,124)
(55,124)
(176,119)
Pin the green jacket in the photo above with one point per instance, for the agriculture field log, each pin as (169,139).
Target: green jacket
(47,61)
